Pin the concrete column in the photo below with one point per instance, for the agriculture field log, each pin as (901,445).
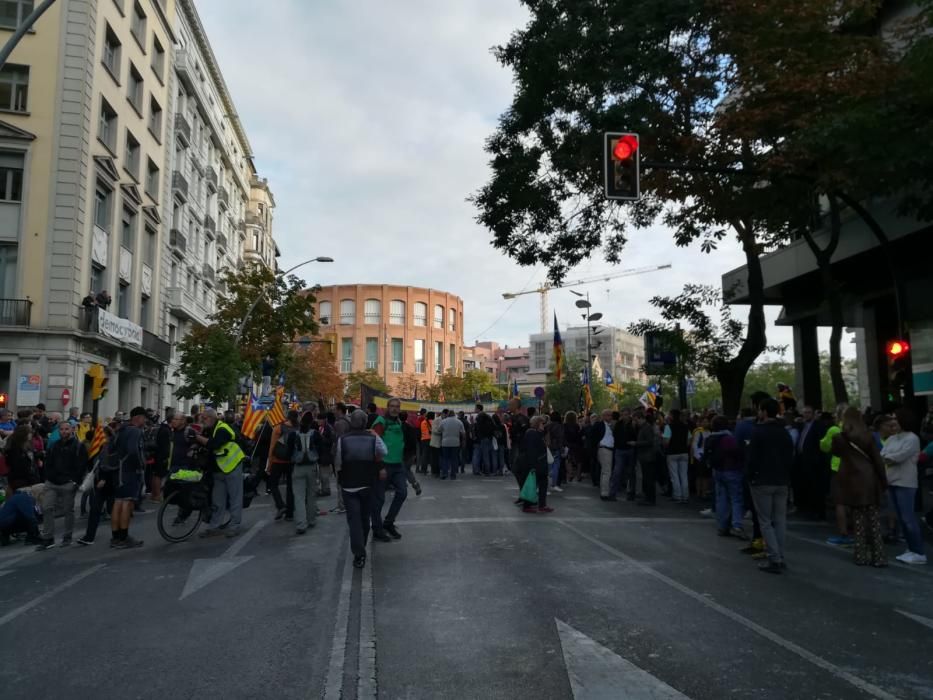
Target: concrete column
(807,363)
(869,356)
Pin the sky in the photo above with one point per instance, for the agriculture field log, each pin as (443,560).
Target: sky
(369,120)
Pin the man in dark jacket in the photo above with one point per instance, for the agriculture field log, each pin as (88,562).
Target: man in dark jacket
(646,453)
(65,467)
(770,461)
(624,435)
(483,429)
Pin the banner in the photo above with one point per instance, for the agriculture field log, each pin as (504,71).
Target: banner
(119,328)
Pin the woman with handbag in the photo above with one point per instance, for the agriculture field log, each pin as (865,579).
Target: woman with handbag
(861,481)
(534,461)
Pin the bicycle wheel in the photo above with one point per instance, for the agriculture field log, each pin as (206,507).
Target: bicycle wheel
(174,523)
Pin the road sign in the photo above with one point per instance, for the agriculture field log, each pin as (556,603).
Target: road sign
(539,392)
(66,397)
(691,387)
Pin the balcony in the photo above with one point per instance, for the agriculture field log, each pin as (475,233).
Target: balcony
(208,273)
(372,364)
(222,241)
(178,242)
(182,305)
(397,366)
(183,130)
(419,366)
(15,312)
(211,178)
(180,186)
(210,224)
(154,345)
(253,219)
(223,197)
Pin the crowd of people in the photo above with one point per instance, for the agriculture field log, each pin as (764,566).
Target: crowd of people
(864,469)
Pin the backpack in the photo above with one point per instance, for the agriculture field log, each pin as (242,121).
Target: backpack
(109,459)
(281,451)
(304,452)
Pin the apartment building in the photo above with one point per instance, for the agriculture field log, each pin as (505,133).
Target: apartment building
(619,352)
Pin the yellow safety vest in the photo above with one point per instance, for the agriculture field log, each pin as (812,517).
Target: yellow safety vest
(230,455)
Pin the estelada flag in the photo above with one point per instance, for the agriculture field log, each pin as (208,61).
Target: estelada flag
(97,442)
(558,351)
(253,416)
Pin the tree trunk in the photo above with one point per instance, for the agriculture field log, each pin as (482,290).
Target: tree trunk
(731,374)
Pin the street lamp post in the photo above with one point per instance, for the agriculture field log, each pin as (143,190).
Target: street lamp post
(584,303)
(239,333)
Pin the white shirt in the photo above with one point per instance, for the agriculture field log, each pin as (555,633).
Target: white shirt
(608,440)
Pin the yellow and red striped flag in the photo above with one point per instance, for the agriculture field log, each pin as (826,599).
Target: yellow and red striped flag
(277,410)
(253,416)
(97,442)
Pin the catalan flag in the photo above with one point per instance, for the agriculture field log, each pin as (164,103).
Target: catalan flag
(558,351)
(586,397)
(253,416)
(277,410)
(98,441)
(515,393)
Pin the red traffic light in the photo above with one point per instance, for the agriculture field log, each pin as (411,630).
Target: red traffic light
(897,348)
(3,400)
(625,147)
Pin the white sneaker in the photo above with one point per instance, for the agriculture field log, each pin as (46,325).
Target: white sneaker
(707,512)
(912,558)
(558,489)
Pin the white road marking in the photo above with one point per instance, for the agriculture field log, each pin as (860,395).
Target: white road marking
(786,644)
(425,498)
(206,571)
(366,668)
(925,621)
(476,497)
(333,687)
(544,519)
(16,612)
(598,673)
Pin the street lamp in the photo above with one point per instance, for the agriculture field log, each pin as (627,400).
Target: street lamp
(584,303)
(262,292)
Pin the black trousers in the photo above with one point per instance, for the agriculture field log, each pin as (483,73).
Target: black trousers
(279,472)
(100,498)
(359,509)
(648,485)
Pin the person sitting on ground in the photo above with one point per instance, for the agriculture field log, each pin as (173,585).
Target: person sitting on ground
(18,514)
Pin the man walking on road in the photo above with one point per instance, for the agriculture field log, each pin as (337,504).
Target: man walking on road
(65,467)
(452,436)
(227,492)
(128,448)
(770,461)
(306,447)
(358,459)
(676,446)
(389,428)
(483,428)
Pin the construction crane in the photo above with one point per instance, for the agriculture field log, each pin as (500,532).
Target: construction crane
(545,288)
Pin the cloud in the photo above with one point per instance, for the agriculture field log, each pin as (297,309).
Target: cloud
(369,120)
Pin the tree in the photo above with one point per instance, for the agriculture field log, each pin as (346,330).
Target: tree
(209,364)
(564,396)
(477,382)
(409,387)
(370,378)
(313,374)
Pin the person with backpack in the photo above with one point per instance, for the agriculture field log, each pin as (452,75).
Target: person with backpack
(306,447)
(64,470)
(128,461)
(279,466)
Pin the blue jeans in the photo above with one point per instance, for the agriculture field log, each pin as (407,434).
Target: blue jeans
(482,456)
(227,495)
(397,474)
(555,469)
(730,506)
(450,461)
(623,472)
(903,499)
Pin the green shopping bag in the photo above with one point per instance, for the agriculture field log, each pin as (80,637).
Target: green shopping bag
(529,492)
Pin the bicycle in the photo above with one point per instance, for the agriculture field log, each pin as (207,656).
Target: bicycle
(186,504)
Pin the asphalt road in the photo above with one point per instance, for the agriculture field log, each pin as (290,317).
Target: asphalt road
(478,600)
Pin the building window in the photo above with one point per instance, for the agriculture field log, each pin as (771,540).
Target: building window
(11,177)
(128,235)
(158,58)
(397,355)
(123,301)
(135,90)
(97,278)
(452,320)
(144,312)
(347,312)
(438,356)
(453,357)
(419,356)
(155,119)
(103,200)
(540,355)
(8,258)
(397,312)
(172,336)
(421,313)
(151,244)
(13,12)
(107,129)
(439,316)
(372,353)
(138,25)
(324,313)
(14,87)
(131,159)
(346,355)
(111,55)
(152,180)
(372,312)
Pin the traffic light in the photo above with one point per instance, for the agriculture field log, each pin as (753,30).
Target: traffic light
(898,354)
(98,382)
(331,339)
(622,166)
(3,399)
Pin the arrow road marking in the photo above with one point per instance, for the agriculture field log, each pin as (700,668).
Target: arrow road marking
(205,571)
(598,673)
(925,621)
